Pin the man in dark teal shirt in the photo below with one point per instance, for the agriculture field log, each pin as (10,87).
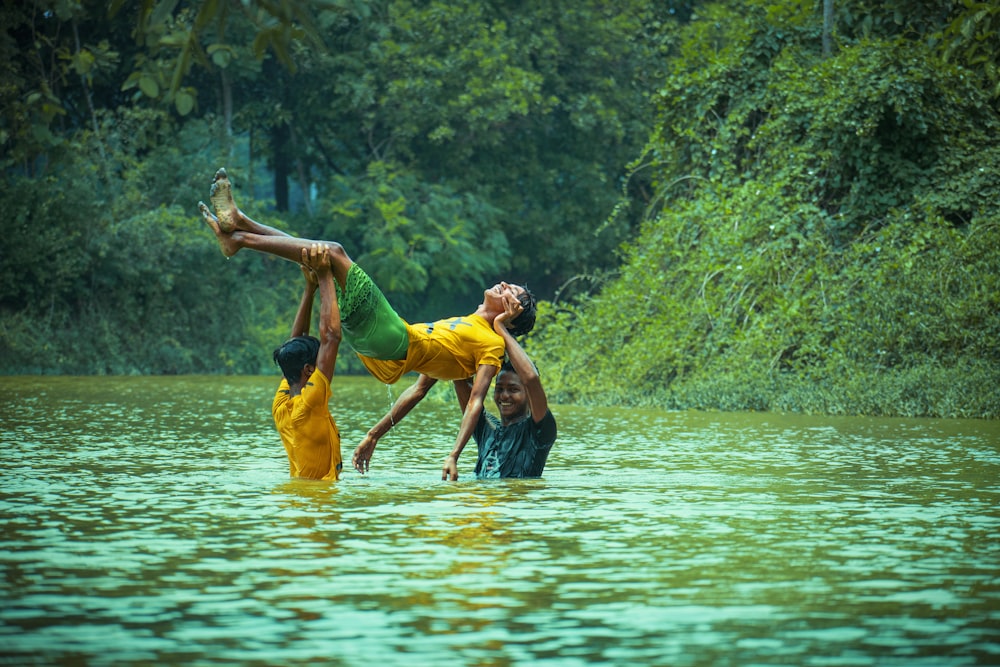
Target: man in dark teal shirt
(518,443)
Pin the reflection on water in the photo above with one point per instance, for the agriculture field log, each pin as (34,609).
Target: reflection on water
(151,521)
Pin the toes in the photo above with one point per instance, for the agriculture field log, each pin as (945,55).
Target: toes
(209,218)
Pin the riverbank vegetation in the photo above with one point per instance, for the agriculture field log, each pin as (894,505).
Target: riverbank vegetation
(822,229)
(738,205)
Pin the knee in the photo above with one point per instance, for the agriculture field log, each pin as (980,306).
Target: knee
(340,262)
(337,253)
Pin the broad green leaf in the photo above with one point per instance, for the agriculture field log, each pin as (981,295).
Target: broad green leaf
(149,87)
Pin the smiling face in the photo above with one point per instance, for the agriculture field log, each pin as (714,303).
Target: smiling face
(510,397)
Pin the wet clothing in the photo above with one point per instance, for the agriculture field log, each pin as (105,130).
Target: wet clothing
(517,450)
(389,347)
(367,321)
(307,429)
(451,349)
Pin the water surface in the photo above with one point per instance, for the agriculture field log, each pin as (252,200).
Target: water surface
(152,521)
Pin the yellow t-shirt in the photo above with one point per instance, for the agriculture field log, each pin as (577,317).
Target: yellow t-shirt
(451,349)
(307,429)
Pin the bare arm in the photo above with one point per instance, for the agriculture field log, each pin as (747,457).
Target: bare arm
(300,327)
(537,400)
(463,390)
(519,359)
(474,407)
(318,259)
(406,402)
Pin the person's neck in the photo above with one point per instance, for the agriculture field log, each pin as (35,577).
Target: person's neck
(296,388)
(513,420)
(484,312)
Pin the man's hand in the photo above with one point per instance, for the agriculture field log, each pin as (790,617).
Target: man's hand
(311,279)
(450,468)
(316,258)
(363,454)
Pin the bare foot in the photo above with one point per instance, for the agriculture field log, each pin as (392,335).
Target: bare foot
(222,201)
(227,243)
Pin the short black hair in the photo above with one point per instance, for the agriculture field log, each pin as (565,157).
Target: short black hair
(524,322)
(507,367)
(293,355)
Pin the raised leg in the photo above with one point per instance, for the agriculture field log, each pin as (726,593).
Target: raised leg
(234,231)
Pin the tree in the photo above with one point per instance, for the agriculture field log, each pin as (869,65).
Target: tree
(828,25)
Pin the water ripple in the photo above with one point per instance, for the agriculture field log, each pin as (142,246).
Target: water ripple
(152,521)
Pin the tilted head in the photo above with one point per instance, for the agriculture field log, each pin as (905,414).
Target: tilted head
(524,322)
(494,299)
(294,354)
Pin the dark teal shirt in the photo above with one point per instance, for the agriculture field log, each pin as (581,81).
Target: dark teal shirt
(517,450)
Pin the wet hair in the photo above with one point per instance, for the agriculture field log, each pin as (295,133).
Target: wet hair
(524,322)
(507,367)
(294,354)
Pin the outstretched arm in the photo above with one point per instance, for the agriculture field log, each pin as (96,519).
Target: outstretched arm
(406,402)
(473,408)
(318,259)
(521,362)
(537,400)
(300,327)
(463,390)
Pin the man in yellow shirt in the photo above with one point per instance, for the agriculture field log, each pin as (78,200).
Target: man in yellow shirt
(301,406)
(454,349)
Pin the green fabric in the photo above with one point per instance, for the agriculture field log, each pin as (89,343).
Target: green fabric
(368,323)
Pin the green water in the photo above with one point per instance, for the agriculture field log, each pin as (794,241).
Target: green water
(152,521)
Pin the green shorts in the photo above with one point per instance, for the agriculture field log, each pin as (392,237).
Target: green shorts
(367,321)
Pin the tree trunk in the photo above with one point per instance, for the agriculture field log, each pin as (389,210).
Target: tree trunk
(90,106)
(827,28)
(227,106)
(280,142)
(300,168)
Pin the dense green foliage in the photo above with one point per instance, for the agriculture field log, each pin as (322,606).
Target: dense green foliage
(120,284)
(804,218)
(446,144)
(824,234)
